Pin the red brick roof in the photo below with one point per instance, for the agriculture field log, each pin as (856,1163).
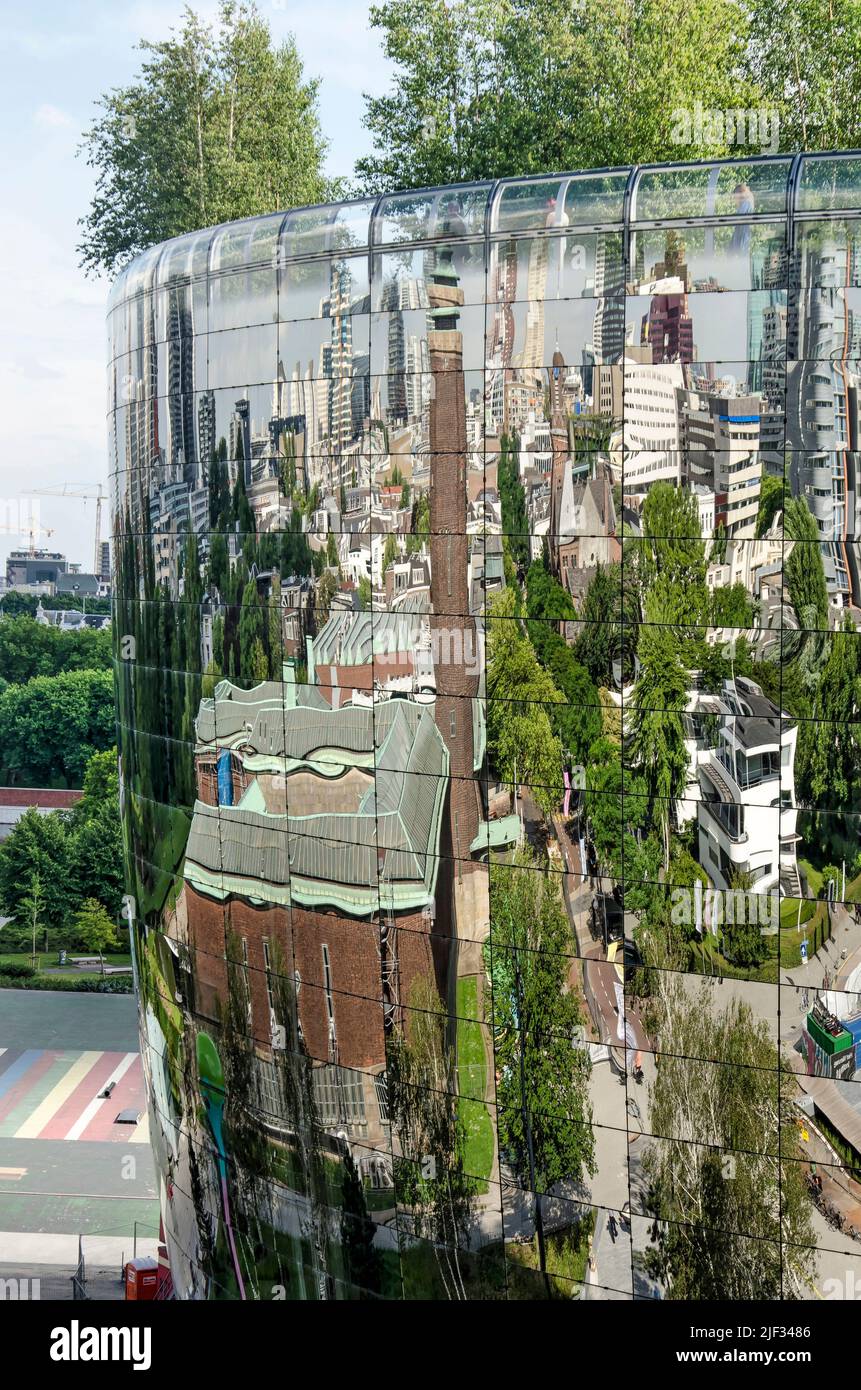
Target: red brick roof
(53,797)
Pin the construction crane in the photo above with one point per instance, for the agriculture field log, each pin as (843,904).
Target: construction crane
(85,492)
(31,529)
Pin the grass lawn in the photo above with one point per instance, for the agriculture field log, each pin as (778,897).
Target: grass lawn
(472,1082)
(784,949)
(813,876)
(48,959)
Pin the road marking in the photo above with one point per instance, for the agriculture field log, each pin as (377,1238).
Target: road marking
(96,1104)
(13,1174)
(141,1134)
(55,1098)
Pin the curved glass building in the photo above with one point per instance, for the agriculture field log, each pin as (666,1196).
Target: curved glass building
(487,593)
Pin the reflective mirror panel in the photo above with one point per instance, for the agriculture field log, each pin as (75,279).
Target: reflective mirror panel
(487,575)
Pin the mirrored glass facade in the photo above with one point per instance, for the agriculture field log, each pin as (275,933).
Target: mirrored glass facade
(487,603)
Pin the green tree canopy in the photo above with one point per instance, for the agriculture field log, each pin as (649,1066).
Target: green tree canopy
(803,568)
(485,90)
(94,928)
(29,649)
(545,1115)
(50,727)
(219,124)
(729,1191)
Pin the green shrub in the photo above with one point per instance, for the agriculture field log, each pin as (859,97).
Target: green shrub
(116,984)
(18,970)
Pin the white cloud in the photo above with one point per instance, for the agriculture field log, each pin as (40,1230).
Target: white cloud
(52,118)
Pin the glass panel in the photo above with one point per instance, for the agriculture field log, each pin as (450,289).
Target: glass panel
(449,212)
(595,198)
(141,273)
(245,243)
(737,256)
(711,190)
(312,230)
(186,257)
(830,251)
(526,205)
(409,606)
(829,182)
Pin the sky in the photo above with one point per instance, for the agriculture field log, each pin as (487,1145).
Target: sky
(56,58)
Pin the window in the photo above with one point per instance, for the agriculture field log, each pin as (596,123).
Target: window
(330,1000)
(339,1096)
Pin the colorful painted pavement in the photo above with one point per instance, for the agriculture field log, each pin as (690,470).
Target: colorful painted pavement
(48,1093)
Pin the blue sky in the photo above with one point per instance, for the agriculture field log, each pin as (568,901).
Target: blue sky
(56,58)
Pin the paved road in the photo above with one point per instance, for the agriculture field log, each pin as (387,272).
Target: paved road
(63,1019)
(65,1168)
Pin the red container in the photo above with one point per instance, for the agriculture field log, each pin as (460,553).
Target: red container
(141,1279)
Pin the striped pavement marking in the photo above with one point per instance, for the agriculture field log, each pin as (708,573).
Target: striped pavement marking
(16,1068)
(95,1105)
(55,1094)
(130,1094)
(31,1088)
(50,1105)
(87,1088)
(141,1134)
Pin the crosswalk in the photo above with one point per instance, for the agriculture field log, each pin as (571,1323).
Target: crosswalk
(56,1094)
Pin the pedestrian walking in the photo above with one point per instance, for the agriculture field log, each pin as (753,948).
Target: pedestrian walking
(612,1226)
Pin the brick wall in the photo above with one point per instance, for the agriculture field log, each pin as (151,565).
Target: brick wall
(354,963)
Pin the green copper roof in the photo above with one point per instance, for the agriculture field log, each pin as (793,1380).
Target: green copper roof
(386,849)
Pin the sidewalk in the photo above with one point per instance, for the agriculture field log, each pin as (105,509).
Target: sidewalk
(45,1248)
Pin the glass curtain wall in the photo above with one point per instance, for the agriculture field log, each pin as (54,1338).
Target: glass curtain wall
(487,589)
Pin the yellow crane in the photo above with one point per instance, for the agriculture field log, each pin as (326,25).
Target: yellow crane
(84,492)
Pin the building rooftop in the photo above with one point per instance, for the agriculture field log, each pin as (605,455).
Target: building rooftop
(384,850)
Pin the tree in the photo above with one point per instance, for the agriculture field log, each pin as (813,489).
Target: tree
(95,857)
(656,731)
(802,566)
(672,548)
(327,587)
(483,90)
(512,500)
(806,56)
(829,769)
(521,695)
(420,531)
(533,1010)
(773,493)
(29,649)
(31,909)
(487,90)
(362,1260)
(390,551)
(726,1182)
(101,785)
(219,124)
(599,639)
(426,1121)
(50,727)
(544,1113)
(252,626)
(94,928)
